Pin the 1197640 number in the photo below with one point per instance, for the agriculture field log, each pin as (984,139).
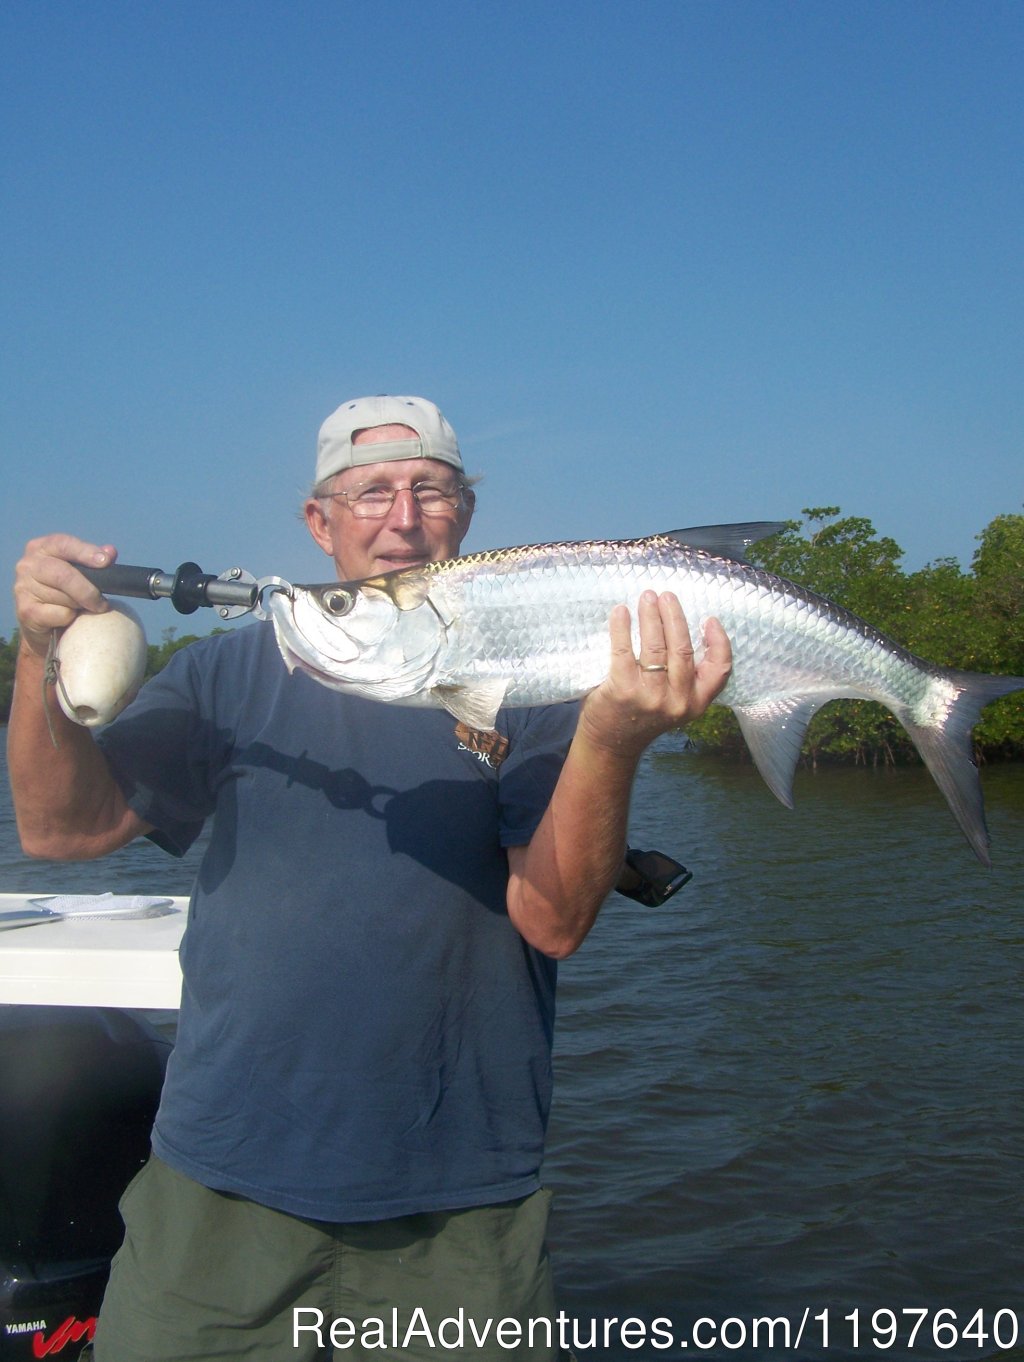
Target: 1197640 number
(883,1328)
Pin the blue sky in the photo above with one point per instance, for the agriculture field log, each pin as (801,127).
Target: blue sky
(661,263)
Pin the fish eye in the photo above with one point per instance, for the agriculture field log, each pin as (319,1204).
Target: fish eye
(338,602)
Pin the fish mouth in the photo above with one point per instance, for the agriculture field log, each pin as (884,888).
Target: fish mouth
(303,661)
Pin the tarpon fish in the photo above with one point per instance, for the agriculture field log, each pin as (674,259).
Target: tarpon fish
(529,626)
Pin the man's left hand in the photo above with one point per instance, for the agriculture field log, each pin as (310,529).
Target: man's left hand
(665,687)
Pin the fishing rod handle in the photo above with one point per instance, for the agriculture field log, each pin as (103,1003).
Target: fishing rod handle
(121,579)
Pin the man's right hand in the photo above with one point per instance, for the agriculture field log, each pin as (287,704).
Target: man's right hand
(67,804)
(49,592)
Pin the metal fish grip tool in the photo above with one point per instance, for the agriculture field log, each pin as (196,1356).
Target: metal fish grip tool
(232,594)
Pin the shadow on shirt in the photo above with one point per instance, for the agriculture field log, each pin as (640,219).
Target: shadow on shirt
(456,829)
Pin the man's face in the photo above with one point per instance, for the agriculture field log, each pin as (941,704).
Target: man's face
(404,537)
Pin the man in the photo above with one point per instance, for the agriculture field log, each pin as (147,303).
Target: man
(353,1117)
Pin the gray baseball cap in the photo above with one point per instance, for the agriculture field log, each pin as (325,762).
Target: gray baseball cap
(434,437)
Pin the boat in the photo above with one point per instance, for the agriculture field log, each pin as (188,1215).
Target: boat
(81,1067)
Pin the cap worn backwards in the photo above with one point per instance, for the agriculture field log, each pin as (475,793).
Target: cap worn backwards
(434,437)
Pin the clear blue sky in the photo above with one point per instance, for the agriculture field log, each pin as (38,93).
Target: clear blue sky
(661,263)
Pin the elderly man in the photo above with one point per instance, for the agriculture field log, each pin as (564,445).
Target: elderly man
(353,1117)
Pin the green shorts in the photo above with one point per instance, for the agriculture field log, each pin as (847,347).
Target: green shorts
(206,1275)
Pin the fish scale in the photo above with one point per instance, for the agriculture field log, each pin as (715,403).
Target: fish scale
(529,626)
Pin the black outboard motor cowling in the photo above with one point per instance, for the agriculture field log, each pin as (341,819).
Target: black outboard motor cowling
(79,1089)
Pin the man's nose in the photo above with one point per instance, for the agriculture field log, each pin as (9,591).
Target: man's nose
(404,511)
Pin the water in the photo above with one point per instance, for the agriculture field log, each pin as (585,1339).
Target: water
(796,1087)
(799,1084)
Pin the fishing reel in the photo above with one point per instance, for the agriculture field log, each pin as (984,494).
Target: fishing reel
(651,877)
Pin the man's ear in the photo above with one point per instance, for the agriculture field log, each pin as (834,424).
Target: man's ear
(466,511)
(316,523)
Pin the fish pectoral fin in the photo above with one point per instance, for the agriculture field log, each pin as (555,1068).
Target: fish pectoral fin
(476,705)
(727,541)
(774,732)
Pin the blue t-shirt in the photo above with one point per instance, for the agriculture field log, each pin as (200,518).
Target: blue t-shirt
(363,1033)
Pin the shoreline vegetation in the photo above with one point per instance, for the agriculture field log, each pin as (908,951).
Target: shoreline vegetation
(971,620)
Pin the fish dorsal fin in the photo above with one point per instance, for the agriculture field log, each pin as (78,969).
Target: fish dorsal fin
(408,587)
(774,732)
(727,541)
(476,705)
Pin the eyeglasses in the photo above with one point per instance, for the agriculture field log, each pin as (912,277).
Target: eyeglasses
(376,500)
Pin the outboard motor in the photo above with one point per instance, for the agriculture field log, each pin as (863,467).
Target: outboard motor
(79,1089)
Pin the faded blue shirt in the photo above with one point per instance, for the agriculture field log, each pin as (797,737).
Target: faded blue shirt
(363,1033)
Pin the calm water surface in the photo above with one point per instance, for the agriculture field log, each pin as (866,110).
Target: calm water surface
(798,1086)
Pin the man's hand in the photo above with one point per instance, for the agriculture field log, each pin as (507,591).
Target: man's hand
(67,804)
(663,688)
(49,592)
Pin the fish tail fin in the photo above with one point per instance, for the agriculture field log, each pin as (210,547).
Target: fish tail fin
(946,748)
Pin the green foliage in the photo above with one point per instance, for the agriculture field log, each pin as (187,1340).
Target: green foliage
(998,569)
(971,621)
(8,656)
(998,628)
(159,654)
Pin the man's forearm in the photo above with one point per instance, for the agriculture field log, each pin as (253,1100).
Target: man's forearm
(559,881)
(67,804)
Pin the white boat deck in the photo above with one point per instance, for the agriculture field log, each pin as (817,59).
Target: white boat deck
(91,962)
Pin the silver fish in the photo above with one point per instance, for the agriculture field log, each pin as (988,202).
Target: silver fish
(529,626)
